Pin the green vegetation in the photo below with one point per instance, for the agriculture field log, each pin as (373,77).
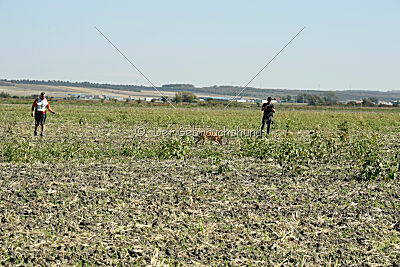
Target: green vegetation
(124,183)
(186,97)
(327,98)
(6,95)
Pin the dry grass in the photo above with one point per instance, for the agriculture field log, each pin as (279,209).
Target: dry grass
(93,200)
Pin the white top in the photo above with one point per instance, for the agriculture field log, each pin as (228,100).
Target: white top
(41,104)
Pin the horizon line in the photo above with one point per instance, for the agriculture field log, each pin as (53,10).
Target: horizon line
(218,85)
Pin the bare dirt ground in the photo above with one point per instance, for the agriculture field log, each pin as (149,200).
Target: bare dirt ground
(92,192)
(163,212)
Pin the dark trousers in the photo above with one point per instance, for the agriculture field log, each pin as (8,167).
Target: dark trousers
(40,118)
(267,120)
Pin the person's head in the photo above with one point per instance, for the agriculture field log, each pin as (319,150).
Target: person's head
(42,95)
(269,99)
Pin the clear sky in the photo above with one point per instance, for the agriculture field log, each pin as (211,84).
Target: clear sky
(346,44)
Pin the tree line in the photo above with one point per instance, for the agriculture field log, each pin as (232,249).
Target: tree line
(135,88)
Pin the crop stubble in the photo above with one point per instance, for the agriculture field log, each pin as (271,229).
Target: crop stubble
(99,194)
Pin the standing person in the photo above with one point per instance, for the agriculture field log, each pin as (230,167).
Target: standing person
(39,107)
(268,116)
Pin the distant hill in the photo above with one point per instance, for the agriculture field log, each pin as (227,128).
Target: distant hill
(224,90)
(134,88)
(275,92)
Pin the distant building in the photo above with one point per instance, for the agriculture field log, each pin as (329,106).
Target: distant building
(112,97)
(351,101)
(385,103)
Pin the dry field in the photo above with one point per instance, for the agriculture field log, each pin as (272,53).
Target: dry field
(105,186)
(27,90)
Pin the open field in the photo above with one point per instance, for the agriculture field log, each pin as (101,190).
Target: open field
(115,184)
(26,90)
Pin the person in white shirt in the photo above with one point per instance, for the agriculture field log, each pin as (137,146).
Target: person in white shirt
(39,107)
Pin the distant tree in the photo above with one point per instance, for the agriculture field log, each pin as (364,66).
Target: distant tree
(286,98)
(313,100)
(184,96)
(5,95)
(178,97)
(316,100)
(374,100)
(210,101)
(367,102)
(330,97)
(303,98)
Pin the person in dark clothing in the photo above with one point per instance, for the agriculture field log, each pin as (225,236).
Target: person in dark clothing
(268,117)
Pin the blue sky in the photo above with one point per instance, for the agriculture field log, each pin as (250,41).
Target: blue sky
(346,44)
